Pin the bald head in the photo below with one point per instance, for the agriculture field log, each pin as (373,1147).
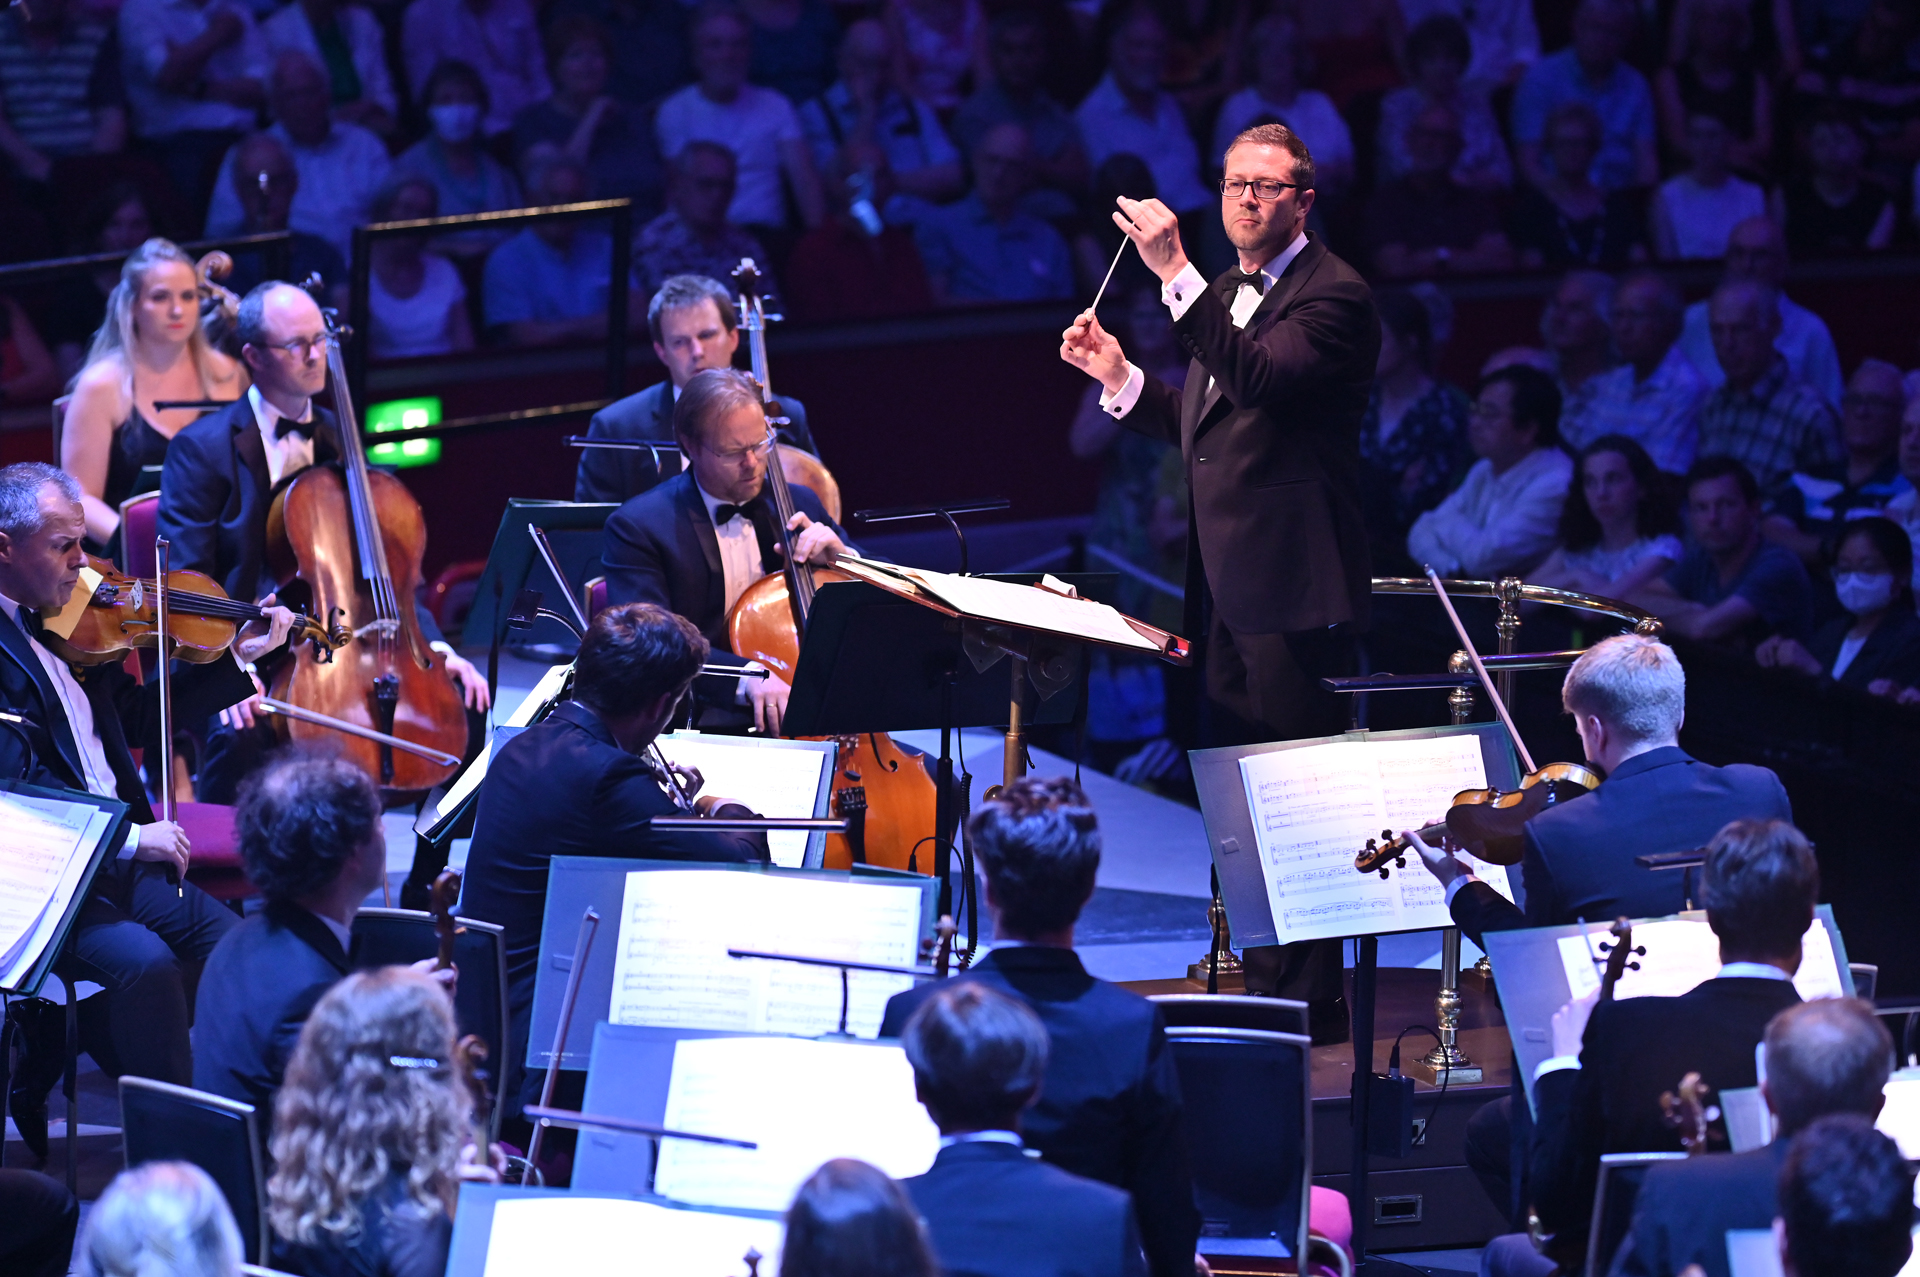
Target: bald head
(1757,251)
(265,179)
(283,340)
(1744,318)
(1870,412)
(1003,167)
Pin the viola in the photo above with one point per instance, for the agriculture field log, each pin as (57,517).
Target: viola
(469,1053)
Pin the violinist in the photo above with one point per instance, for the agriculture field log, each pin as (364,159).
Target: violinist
(578,784)
(219,482)
(137,932)
(696,542)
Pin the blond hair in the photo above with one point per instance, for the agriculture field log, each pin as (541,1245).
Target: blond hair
(163,1219)
(1632,683)
(115,337)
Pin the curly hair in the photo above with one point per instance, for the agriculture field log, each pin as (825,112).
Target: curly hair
(1039,845)
(370,1090)
(301,819)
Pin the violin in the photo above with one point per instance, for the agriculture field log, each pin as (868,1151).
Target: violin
(469,1053)
(219,305)
(1620,955)
(120,613)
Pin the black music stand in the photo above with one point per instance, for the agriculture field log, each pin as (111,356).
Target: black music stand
(573,527)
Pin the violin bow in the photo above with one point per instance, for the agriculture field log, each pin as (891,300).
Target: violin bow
(162,555)
(1479,669)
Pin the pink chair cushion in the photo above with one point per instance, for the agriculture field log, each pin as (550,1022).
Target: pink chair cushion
(136,538)
(596,598)
(215,867)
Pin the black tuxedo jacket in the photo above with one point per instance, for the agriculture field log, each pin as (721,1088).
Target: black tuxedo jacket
(992,1211)
(259,985)
(1110,1106)
(1269,426)
(1685,1208)
(615,475)
(1580,855)
(1633,1051)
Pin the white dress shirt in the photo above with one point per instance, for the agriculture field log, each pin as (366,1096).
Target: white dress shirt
(75,705)
(1180,293)
(339,176)
(740,562)
(288,454)
(1493,524)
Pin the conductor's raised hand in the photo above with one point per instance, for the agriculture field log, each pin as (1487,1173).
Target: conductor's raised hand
(1155,231)
(1094,351)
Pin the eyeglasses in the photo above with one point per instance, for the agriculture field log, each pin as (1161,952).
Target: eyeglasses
(300,347)
(741,454)
(1264,189)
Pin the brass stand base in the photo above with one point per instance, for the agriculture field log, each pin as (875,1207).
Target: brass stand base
(1463,1075)
(1229,965)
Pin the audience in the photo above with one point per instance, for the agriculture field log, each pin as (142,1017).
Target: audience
(1438,52)
(416,301)
(1846,1202)
(263,184)
(1128,111)
(978,1059)
(984,248)
(548,283)
(1427,222)
(1875,644)
(346,39)
(854,265)
(1565,220)
(195,75)
(1576,328)
(1718,77)
(1017,54)
(27,373)
(1834,206)
(1356,45)
(1812,505)
(60,86)
(118,220)
(861,110)
(1502,35)
(694,237)
(1872,73)
(1757,253)
(1278,94)
(1761,415)
(1653,395)
(1732,587)
(648,39)
(163,1219)
(452,156)
(937,45)
(850,1220)
(757,125)
(1694,213)
(1413,440)
(38,1218)
(584,122)
(1618,530)
(793,46)
(1591,70)
(499,39)
(1501,520)
(1905,508)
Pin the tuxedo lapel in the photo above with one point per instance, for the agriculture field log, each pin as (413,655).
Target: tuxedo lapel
(247,446)
(694,511)
(1271,308)
(19,650)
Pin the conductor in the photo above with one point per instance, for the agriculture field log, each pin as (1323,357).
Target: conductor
(1278,581)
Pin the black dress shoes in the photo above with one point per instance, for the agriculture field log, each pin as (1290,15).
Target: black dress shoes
(1328,1023)
(37,1037)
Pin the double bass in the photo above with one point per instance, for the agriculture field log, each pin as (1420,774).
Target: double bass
(354,537)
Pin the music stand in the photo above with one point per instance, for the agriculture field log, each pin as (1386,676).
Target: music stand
(573,527)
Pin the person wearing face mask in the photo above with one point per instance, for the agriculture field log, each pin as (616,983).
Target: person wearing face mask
(452,157)
(1875,647)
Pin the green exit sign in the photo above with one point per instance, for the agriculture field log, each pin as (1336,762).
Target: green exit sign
(404,414)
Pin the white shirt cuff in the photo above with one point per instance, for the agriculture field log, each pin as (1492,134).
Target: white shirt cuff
(745,689)
(131,845)
(442,646)
(1184,289)
(1553,1064)
(1121,401)
(1458,885)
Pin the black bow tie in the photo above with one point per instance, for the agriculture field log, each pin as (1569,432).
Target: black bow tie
(29,621)
(1252,279)
(723,513)
(288,426)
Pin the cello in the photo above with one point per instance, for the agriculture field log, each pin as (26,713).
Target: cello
(355,538)
(883,791)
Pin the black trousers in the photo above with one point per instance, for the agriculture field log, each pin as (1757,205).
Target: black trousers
(38,1217)
(140,938)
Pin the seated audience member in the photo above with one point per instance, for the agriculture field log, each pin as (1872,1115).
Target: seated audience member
(27,373)
(757,125)
(1357,46)
(1695,212)
(195,76)
(1869,71)
(1761,414)
(612,137)
(853,265)
(498,39)
(161,1219)
(694,237)
(937,47)
(1905,508)
(793,46)
(1013,94)
(1413,440)
(452,155)
(1757,253)
(1591,70)
(861,110)
(648,39)
(60,87)
(1618,530)
(415,299)
(850,1220)
(1875,645)
(1501,520)
(1653,395)
(346,39)
(1718,77)
(548,283)
(1575,327)
(340,165)
(1834,206)
(1733,587)
(1426,223)
(1438,53)
(38,1217)
(984,248)
(1824,1057)
(578,784)
(1502,38)
(1846,1202)
(263,182)
(978,1059)
(693,325)
(118,221)
(1128,111)
(1109,1107)
(1811,506)
(1566,220)
(1277,94)
(372,1132)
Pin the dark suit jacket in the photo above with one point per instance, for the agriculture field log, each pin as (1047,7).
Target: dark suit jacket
(1891,651)
(992,1211)
(1633,1051)
(1579,860)
(1273,449)
(259,986)
(607,474)
(1685,1208)
(1110,1106)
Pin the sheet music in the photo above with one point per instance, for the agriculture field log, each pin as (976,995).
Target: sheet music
(773,779)
(610,1237)
(803,1102)
(1681,954)
(672,970)
(1314,809)
(1029,607)
(45,846)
